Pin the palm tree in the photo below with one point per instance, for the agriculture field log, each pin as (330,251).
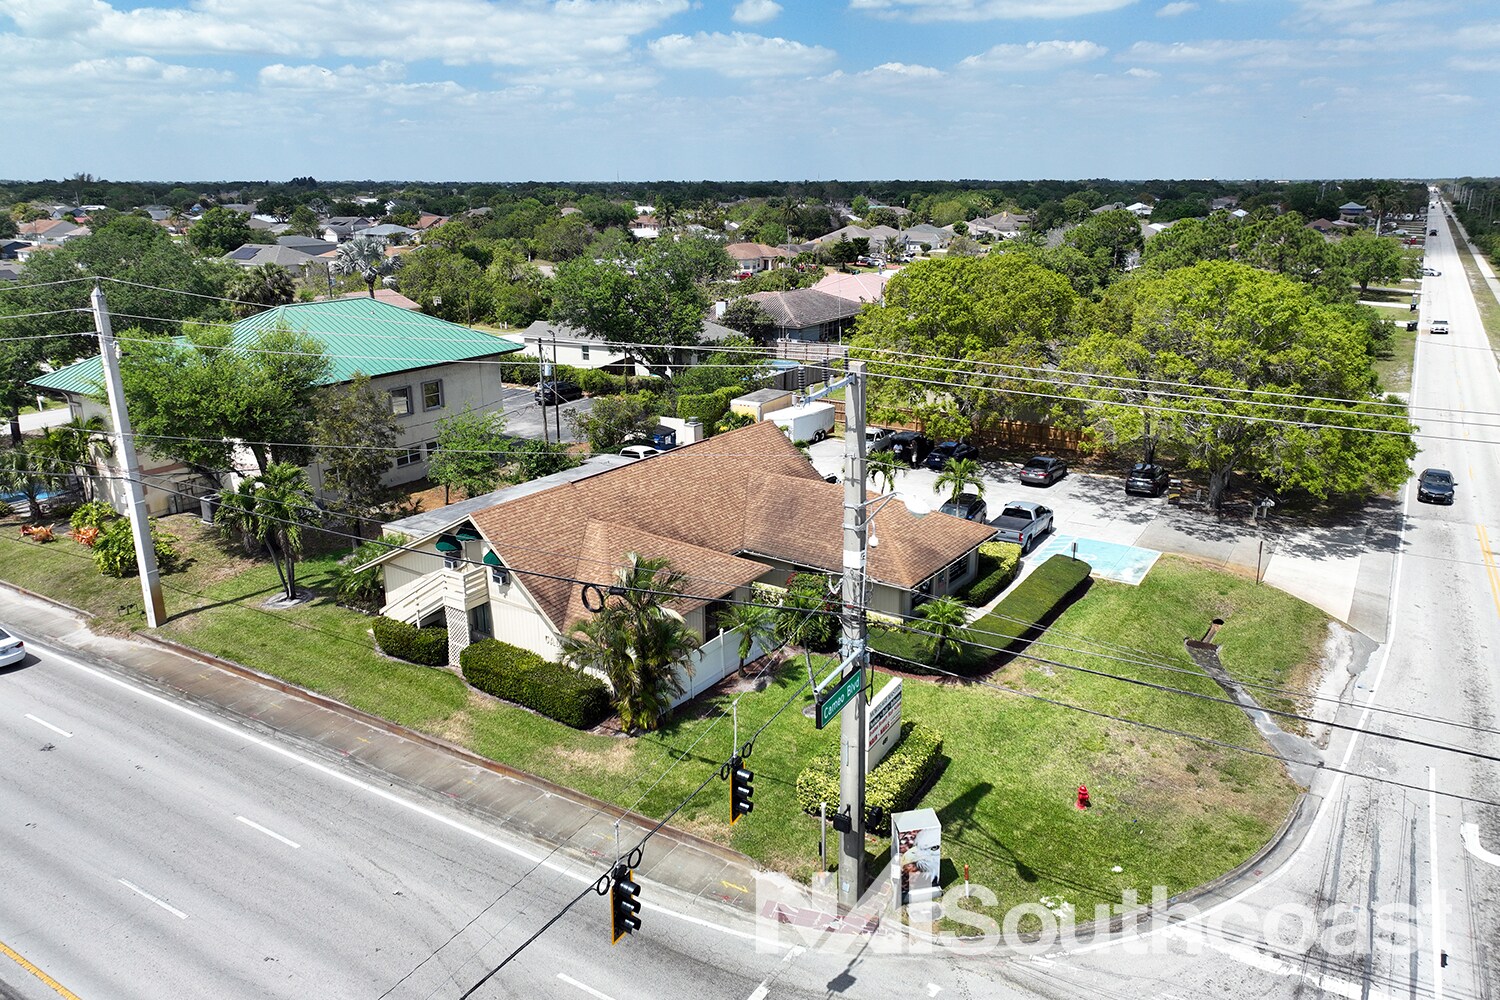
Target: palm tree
(261,287)
(268,508)
(69,449)
(943,618)
(882,467)
(755,623)
(637,642)
(960,474)
(18,475)
(364,256)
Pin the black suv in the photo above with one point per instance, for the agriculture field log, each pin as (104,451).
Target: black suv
(1146,479)
(950,451)
(910,446)
(555,393)
(968,506)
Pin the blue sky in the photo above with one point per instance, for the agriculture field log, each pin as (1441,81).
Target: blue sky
(748,89)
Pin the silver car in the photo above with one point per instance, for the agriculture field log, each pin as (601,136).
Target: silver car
(12,649)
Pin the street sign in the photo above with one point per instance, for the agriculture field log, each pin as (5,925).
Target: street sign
(832,703)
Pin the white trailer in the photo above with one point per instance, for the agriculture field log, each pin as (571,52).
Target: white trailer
(808,422)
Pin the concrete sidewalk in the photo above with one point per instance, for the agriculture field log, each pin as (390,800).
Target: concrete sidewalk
(548,816)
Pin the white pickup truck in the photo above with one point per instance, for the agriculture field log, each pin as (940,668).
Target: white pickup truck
(1023,523)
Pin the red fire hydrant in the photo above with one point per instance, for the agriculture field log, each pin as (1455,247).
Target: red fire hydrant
(1083,797)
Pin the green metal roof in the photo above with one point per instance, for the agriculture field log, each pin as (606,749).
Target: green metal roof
(358,334)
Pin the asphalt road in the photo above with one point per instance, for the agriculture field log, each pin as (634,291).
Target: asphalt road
(523,417)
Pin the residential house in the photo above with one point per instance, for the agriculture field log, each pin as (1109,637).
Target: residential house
(10,274)
(429,369)
(1001,225)
(1139,209)
(390,232)
(877,235)
(925,233)
(427,221)
(755,257)
(311,245)
(867,286)
(741,509)
(263,225)
(255,254)
(1323,226)
(645,227)
(808,314)
(339,228)
(387,295)
(9,248)
(564,344)
(1223,204)
(51,232)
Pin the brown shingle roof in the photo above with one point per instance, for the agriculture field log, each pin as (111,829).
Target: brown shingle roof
(749,491)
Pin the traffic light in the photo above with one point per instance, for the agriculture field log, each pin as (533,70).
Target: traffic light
(624,904)
(740,792)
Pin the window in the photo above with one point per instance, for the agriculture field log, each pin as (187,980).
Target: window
(479,621)
(410,456)
(432,395)
(431,447)
(401,401)
(585,349)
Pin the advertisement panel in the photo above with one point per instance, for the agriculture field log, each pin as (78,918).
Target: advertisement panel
(882,724)
(916,856)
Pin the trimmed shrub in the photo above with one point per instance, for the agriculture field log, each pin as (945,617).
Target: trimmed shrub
(598,382)
(998,564)
(5,509)
(114,549)
(521,369)
(427,646)
(1036,599)
(896,783)
(94,514)
(521,676)
(709,407)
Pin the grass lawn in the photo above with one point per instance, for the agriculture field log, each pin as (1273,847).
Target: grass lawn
(1166,810)
(1394,364)
(1489,309)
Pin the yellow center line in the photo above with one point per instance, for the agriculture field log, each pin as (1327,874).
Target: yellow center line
(16,957)
(1490,568)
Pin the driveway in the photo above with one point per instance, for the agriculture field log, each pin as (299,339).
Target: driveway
(1344,569)
(523,417)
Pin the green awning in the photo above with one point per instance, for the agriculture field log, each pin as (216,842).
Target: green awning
(490,559)
(468,533)
(447,543)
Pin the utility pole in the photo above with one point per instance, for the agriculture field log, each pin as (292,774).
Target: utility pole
(541,384)
(854,648)
(135,499)
(556,410)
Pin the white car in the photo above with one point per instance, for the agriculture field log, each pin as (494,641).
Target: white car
(1439,326)
(12,649)
(1429,272)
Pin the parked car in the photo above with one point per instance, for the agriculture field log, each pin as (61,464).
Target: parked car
(12,649)
(1439,326)
(1146,479)
(556,393)
(1430,272)
(1023,523)
(639,451)
(950,451)
(1432,232)
(878,439)
(968,506)
(1040,470)
(911,447)
(1435,486)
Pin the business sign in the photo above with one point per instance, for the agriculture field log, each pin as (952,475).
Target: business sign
(883,724)
(831,704)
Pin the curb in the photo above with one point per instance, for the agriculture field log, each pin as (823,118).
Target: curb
(7,585)
(452,749)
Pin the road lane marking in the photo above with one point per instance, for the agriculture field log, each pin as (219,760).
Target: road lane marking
(244,735)
(16,957)
(1437,890)
(164,905)
(583,986)
(44,722)
(1491,569)
(1470,834)
(764,989)
(269,833)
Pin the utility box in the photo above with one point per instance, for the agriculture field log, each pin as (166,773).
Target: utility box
(761,403)
(916,856)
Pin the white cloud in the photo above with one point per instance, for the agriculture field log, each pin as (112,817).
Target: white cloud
(454,31)
(1263,52)
(985,10)
(1177,8)
(1141,73)
(1035,56)
(909,70)
(1466,65)
(756,11)
(740,54)
(139,69)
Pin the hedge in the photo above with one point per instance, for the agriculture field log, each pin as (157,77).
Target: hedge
(1035,600)
(998,565)
(896,783)
(707,406)
(521,676)
(427,646)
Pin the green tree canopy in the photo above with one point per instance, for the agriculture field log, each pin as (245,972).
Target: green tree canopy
(470,450)
(355,433)
(943,319)
(1234,341)
(220,230)
(447,284)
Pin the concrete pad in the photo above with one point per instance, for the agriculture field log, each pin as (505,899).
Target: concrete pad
(1327,582)
(1126,564)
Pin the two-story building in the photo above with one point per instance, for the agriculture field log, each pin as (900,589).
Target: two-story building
(428,368)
